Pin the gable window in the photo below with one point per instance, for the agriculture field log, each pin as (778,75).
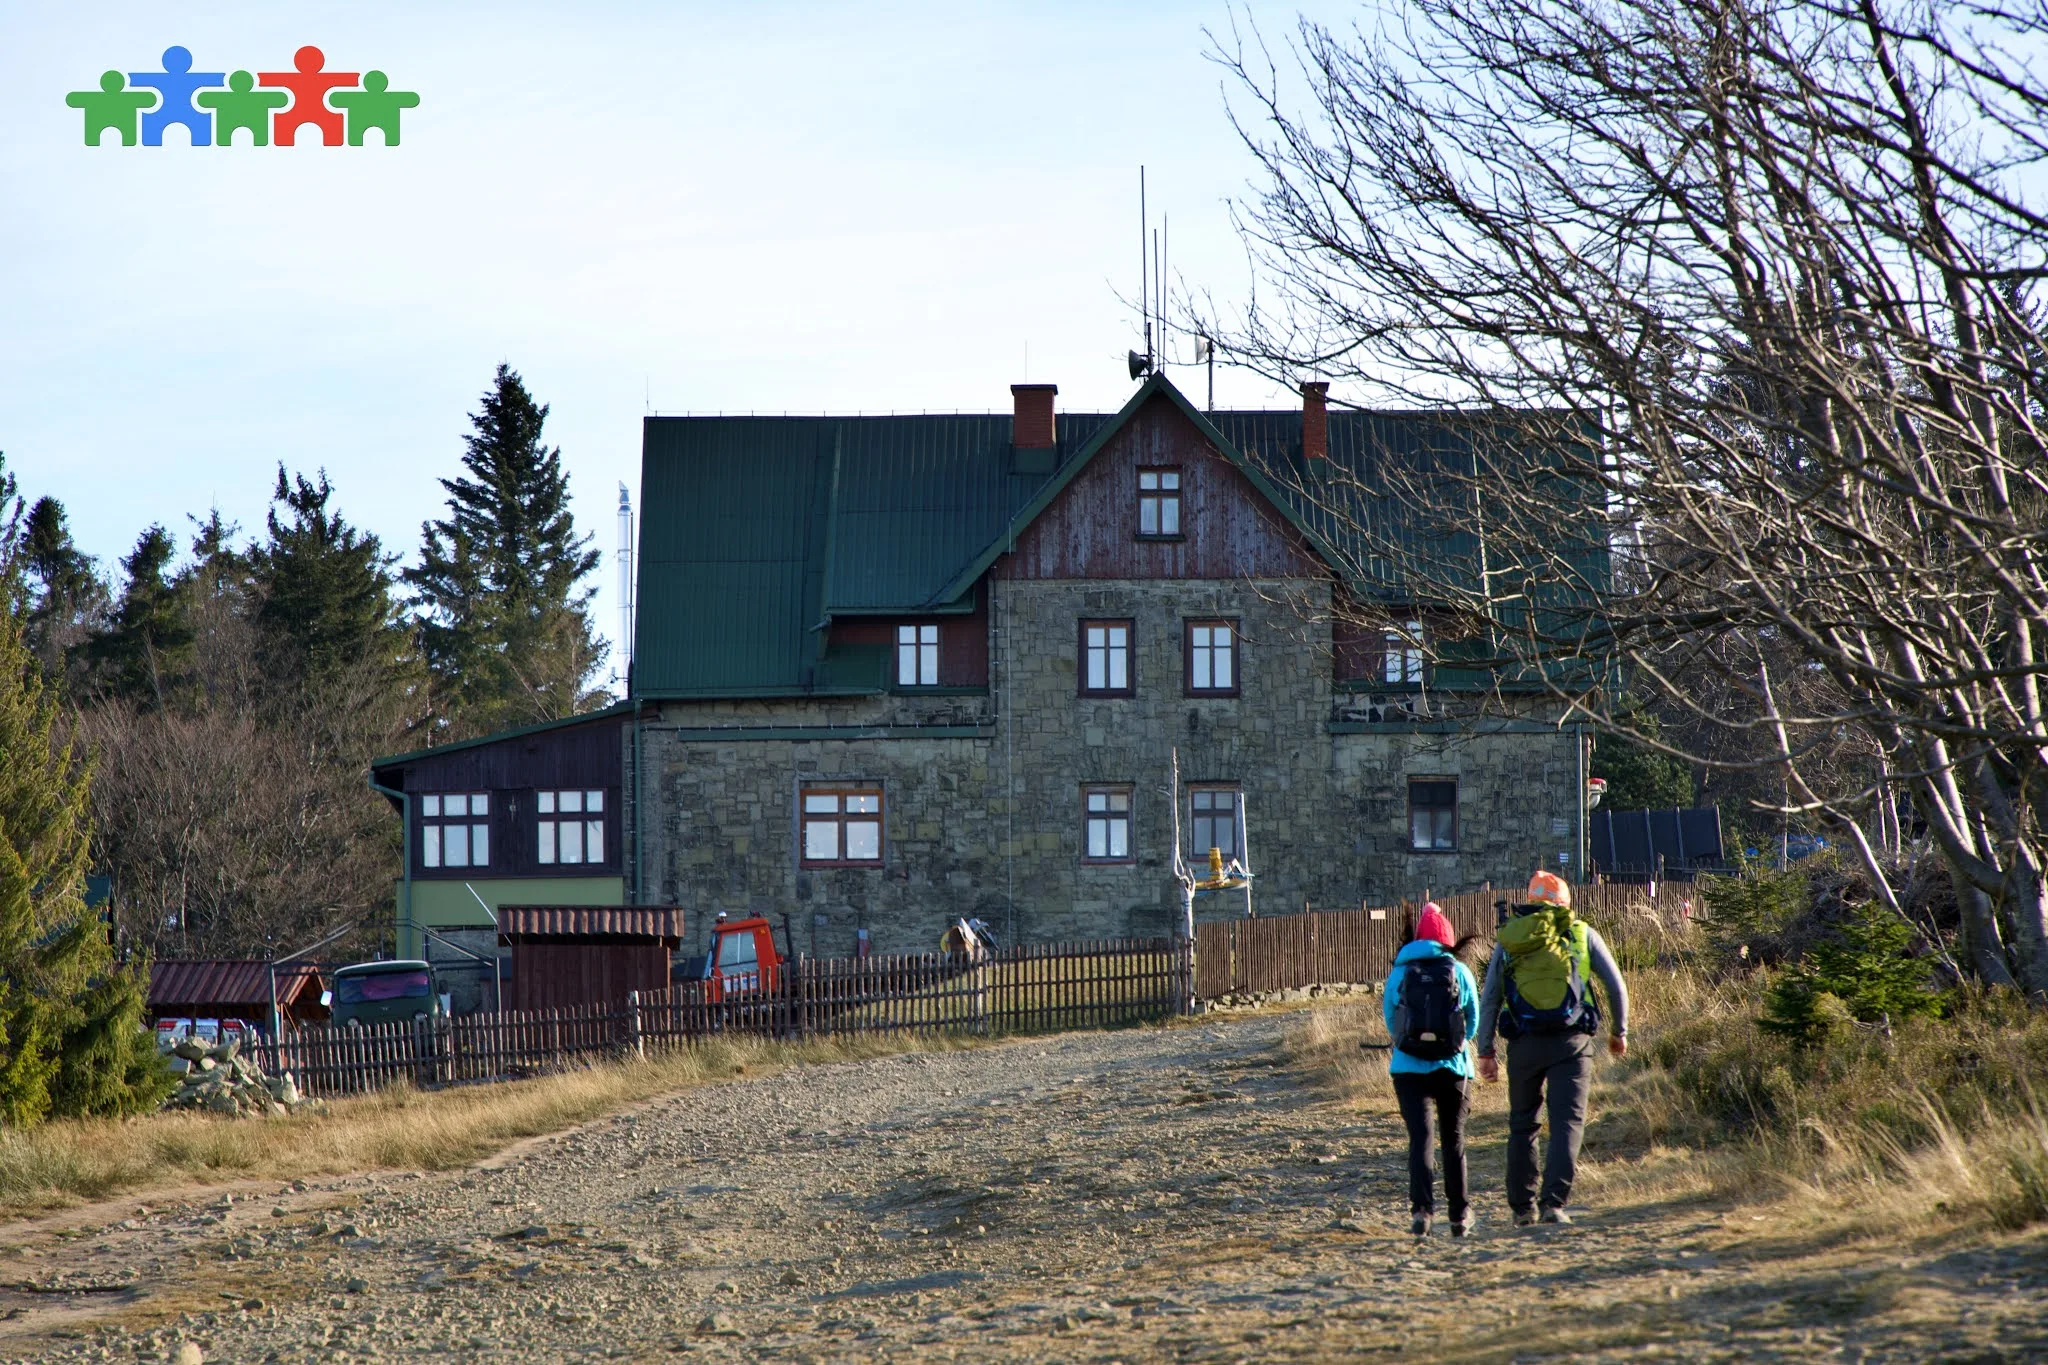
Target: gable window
(1401,656)
(571,826)
(1106,659)
(1212,658)
(1214,813)
(455,829)
(1433,814)
(1107,835)
(917,656)
(842,826)
(1159,502)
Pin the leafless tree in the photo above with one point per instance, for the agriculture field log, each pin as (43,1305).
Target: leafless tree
(1741,296)
(237,822)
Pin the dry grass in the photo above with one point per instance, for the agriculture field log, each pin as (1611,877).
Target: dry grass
(69,1162)
(1929,1128)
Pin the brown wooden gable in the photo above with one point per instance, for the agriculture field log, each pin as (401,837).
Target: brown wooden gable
(1228,528)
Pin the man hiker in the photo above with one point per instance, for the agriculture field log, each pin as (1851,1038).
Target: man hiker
(1538,992)
(1431,1006)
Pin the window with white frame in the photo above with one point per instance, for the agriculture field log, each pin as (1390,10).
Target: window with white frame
(917,656)
(1107,830)
(1401,656)
(455,829)
(1106,658)
(842,826)
(1213,814)
(570,826)
(1159,502)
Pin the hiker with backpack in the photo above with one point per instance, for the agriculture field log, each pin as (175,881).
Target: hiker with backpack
(1539,994)
(1431,1005)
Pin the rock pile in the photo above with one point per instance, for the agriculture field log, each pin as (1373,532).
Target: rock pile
(222,1081)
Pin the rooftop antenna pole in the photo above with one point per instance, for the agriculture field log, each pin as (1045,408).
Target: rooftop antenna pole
(625,583)
(1163,243)
(1144,268)
(1158,302)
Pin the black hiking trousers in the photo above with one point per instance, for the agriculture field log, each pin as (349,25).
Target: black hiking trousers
(1550,1073)
(1431,1100)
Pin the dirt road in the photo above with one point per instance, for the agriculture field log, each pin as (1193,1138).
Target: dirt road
(1160,1194)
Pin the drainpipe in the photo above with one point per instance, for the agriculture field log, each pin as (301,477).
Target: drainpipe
(637,896)
(1583,874)
(404,800)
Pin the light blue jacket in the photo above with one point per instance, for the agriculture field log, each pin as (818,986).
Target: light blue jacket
(1401,1063)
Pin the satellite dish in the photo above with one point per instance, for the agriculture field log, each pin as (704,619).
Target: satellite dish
(1205,349)
(1141,365)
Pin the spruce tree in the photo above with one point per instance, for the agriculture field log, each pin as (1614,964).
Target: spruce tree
(505,625)
(72,1034)
(325,587)
(65,597)
(146,651)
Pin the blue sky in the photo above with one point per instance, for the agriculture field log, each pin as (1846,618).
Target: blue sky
(685,207)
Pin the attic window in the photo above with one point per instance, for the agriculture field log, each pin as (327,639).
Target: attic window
(1159,503)
(917,656)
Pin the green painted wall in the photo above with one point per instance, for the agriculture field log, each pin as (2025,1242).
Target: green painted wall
(449,905)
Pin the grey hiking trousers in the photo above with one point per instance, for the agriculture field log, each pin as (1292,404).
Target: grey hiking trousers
(1551,1073)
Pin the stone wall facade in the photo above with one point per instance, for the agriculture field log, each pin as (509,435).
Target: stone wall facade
(983,811)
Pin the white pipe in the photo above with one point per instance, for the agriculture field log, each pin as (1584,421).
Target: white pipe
(625,581)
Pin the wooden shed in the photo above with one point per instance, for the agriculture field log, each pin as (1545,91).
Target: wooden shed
(586,954)
(229,988)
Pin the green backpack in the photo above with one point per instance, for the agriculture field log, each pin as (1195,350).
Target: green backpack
(1547,973)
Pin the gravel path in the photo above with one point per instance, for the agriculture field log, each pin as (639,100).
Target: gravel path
(1156,1194)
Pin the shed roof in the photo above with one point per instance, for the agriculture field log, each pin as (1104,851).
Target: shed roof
(177,985)
(499,736)
(650,922)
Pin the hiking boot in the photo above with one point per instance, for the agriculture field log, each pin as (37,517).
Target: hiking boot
(1420,1227)
(1461,1226)
(1524,1217)
(1556,1216)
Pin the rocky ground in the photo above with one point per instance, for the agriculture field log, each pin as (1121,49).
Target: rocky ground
(1158,1194)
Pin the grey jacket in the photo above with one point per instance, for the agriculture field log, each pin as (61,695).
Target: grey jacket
(1604,970)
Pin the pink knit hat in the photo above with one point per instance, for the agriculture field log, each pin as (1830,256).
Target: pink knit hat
(1433,925)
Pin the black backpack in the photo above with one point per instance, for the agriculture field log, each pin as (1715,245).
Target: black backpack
(1429,1017)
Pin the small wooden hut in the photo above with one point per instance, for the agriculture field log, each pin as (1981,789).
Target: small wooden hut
(586,954)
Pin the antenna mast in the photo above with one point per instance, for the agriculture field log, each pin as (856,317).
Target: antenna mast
(625,584)
(1144,270)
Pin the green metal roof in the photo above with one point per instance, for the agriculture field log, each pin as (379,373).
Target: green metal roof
(756,531)
(582,718)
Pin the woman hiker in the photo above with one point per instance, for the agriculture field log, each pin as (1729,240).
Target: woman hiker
(1431,1005)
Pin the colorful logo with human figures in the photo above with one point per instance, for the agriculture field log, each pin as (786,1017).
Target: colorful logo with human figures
(271,106)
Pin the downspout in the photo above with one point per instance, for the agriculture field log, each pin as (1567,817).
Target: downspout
(637,896)
(1584,873)
(404,916)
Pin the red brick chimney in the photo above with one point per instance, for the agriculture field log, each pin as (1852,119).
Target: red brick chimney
(1315,420)
(1031,426)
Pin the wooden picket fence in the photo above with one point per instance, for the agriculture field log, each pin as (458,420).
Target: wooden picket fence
(1034,988)
(1357,946)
